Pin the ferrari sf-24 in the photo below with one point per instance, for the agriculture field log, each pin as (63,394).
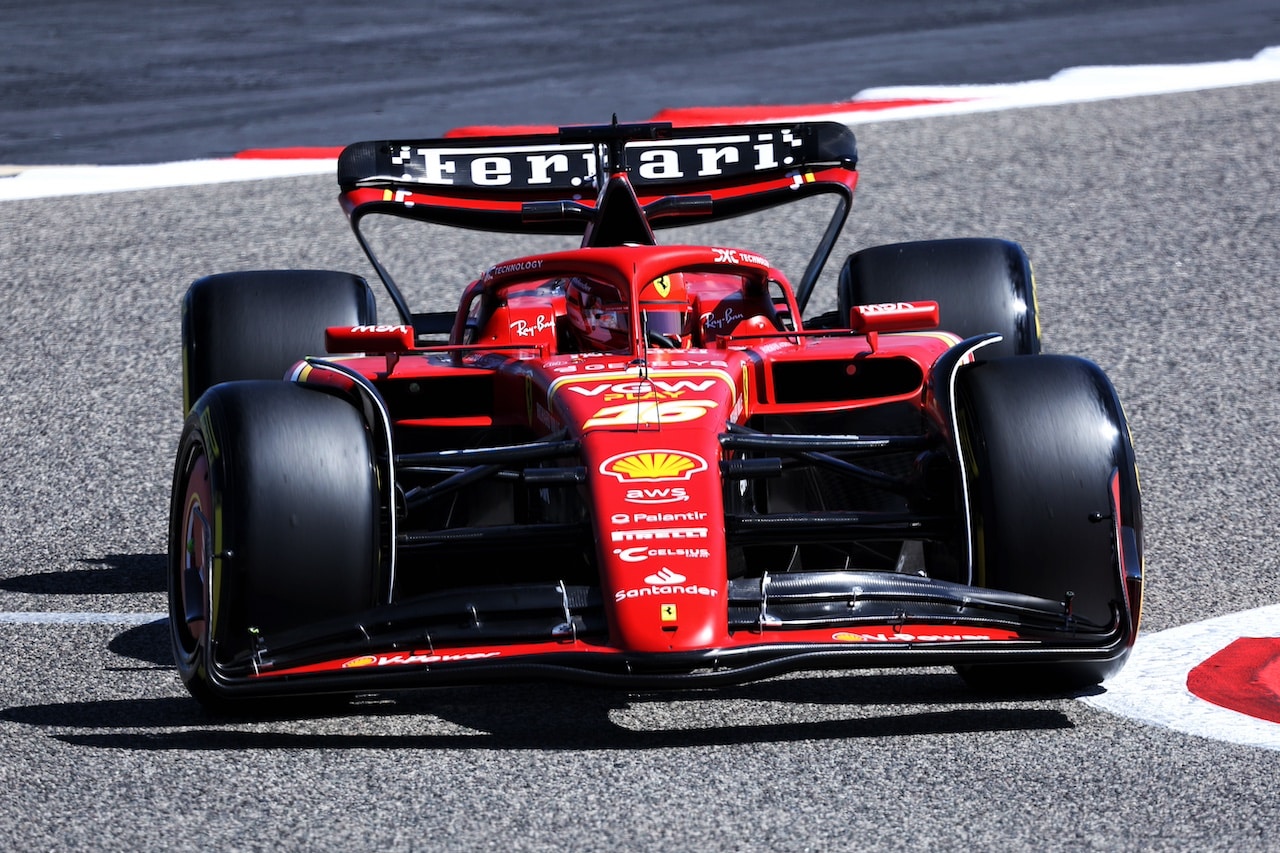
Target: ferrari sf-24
(639,463)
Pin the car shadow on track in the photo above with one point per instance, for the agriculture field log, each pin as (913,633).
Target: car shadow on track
(832,706)
(114,574)
(560,717)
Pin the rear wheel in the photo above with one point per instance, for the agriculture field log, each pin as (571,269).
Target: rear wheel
(1044,443)
(273,523)
(980,284)
(256,324)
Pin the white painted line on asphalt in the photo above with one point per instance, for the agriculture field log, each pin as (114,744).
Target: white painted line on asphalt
(1071,85)
(46,182)
(1153,685)
(54,181)
(1074,85)
(38,618)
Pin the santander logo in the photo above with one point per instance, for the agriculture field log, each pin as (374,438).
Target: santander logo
(665,582)
(664,576)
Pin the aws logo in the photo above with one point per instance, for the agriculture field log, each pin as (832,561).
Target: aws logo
(657,495)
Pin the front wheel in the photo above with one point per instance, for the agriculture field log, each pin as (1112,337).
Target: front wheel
(1049,463)
(274,523)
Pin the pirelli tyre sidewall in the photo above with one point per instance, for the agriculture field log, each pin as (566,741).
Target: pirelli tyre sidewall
(274,522)
(981,285)
(256,324)
(1041,439)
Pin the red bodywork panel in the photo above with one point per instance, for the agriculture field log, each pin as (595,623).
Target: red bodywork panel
(649,422)
(634,463)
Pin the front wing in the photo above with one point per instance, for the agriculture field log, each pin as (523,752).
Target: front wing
(778,624)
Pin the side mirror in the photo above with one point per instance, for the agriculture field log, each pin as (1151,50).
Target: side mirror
(368,339)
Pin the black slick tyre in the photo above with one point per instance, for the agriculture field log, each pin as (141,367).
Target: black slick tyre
(980,284)
(274,523)
(1045,443)
(256,324)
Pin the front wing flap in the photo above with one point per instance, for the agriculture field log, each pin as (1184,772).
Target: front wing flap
(778,624)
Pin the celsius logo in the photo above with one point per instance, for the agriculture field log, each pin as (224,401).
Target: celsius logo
(653,466)
(664,576)
(640,553)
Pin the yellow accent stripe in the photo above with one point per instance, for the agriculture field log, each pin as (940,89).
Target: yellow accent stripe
(946,337)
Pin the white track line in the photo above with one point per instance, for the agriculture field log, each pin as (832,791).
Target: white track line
(33,618)
(1070,85)
(1074,85)
(52,181)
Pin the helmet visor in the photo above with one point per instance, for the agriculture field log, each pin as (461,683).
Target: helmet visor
(668,324)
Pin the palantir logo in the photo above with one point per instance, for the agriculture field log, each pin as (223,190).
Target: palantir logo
(664,577)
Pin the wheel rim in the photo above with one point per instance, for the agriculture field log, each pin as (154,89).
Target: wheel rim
(195,554)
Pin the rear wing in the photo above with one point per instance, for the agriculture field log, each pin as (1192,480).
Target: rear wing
(488,183)
(612,184)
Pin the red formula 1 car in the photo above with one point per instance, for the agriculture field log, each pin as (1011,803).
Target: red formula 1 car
(639,464)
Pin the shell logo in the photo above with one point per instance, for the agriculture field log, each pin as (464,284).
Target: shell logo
(653,465)
(366,660)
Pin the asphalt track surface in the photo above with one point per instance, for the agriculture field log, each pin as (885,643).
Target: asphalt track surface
(1152,225)
(141,81)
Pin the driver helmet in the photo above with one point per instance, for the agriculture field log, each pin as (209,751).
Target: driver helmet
(664,303)
(598,315)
